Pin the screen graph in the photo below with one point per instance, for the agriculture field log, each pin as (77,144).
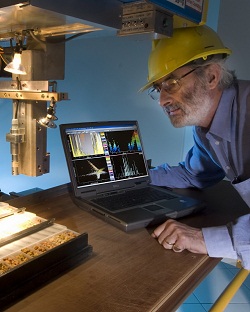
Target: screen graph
(85,144)
(101,155)
(125,141)
(128,165)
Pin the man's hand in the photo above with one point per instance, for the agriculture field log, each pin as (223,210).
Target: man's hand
(177,236)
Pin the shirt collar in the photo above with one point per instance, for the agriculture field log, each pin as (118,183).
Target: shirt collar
(221,122)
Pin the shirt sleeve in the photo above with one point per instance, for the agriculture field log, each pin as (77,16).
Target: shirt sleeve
(218,242)
(231,241)
(198,170)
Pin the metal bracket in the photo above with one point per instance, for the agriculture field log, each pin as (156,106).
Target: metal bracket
(33,96)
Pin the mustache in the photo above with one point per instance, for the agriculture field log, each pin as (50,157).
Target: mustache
(170,108)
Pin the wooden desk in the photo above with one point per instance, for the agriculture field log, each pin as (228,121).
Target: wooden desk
(128,271)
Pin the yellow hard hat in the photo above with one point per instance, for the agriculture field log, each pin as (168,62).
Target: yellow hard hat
(186,44)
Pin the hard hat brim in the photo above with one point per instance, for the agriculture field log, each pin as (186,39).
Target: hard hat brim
(186,45)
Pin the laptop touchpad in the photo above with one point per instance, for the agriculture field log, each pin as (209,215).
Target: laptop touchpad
(155,207)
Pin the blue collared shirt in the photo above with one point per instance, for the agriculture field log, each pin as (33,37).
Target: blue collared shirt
(222,150)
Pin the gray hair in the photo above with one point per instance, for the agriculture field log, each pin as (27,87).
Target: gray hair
(227,78)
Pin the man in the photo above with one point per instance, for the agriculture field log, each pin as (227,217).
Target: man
(188,77)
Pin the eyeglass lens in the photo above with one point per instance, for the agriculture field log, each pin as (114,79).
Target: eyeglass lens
(169,85)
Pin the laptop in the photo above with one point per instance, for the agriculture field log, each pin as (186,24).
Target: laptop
(110,178)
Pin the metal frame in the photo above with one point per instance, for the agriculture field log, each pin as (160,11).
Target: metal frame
(227,295)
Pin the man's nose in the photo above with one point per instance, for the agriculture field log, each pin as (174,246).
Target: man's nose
(165,98)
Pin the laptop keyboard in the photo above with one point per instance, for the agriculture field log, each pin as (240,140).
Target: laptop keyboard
(132,198)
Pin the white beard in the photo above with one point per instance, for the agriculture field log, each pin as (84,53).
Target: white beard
(193,110)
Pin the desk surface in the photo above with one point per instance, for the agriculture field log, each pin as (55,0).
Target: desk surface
(127,271)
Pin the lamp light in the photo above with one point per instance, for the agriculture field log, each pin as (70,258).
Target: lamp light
(16,67)
(48,121)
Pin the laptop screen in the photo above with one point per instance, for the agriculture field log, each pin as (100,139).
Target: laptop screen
(100,154)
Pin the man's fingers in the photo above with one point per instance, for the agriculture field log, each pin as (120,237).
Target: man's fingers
(167,244)
(178,237)
(177,249)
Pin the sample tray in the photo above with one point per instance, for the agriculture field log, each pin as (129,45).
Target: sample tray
(20,224)
(25,278)
(6,210)
(31,261)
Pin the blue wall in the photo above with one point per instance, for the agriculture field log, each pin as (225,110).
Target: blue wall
(102,78)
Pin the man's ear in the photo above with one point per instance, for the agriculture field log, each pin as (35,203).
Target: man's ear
(213,75)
